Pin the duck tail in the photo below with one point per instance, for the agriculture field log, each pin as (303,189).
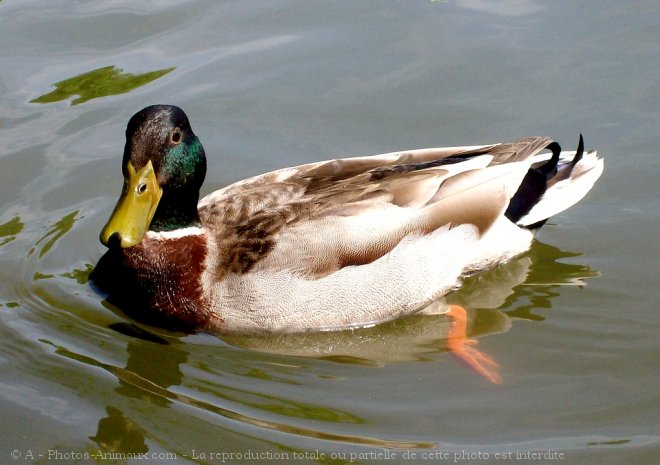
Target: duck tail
(554,186)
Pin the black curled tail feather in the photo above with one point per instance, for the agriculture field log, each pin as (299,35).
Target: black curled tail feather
(538,179)
(579,152)
(533,185)
(565,168)
(549,168)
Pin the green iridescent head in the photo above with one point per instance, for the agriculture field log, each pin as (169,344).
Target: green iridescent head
(164,166)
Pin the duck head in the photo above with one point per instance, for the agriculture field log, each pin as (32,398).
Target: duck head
(164,165)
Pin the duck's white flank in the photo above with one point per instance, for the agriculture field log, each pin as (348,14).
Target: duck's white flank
(417,270)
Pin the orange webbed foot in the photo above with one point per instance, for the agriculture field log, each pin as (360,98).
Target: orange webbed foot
(463,347)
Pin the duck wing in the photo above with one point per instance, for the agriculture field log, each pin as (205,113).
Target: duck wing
(321,217)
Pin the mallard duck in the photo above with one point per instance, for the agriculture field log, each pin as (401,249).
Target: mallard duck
(327,245)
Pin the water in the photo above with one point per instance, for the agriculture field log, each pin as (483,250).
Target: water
(272,84)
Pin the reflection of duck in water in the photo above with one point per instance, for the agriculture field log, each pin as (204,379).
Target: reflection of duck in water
(328,245)
(155,364)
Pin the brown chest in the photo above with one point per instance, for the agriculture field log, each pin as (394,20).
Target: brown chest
(160,280)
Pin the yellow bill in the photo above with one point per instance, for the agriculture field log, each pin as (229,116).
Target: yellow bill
(135,208)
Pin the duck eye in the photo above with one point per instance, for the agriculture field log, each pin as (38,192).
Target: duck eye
(175,136)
